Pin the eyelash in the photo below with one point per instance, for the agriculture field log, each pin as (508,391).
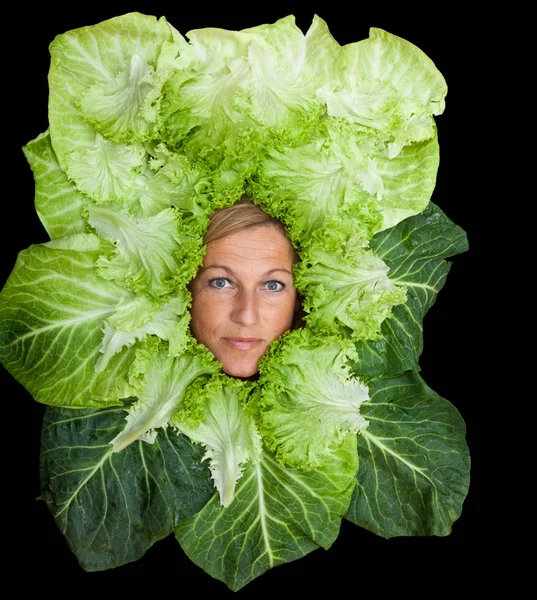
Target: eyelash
(211,283)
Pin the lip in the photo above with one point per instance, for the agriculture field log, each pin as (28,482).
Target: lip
(240,343)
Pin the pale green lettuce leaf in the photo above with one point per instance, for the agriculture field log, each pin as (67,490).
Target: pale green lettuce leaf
(96,58)
(315,56)
(307,185)
(147,249)
(164,381)
(344,282)
(285,78)
(214,415)
(419,89)
(341,175)
(370,105)
(308,399)
(112,108)
(127,107)
(171,179)
(204,94)
(409,180)
(142,316)
(106,171)
(243,85)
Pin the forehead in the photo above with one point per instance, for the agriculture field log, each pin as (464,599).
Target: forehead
(261,244)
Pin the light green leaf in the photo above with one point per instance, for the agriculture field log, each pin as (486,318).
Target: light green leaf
(162,393)
(95,58)
(135,320)
(58,203)
(146,249)
(344,283)
(54,306)
(214,416)
(107,172)
(306,380)
(307,185)
(387,57)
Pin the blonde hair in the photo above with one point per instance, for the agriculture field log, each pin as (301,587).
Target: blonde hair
(244,213)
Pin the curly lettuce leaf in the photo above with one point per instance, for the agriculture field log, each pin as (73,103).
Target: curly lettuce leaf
(163,383)
(105,171)
(147,249)
(255,79)
(214,415)
(308,401)
(142,316)
(307,185)
(340,174)
(102,83)
(344,283)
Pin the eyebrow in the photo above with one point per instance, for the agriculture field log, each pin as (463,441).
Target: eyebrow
(231,272)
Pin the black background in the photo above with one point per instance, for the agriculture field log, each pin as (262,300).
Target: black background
(358,559)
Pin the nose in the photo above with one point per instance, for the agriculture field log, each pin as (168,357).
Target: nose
(245,309)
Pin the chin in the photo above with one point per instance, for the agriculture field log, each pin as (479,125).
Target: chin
(242,371)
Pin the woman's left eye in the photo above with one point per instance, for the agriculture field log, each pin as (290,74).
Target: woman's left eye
(274,286)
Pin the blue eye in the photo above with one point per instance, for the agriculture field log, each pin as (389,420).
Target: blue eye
(218,282)
(275,286)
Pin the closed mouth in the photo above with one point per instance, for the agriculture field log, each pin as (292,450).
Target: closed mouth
(240,343)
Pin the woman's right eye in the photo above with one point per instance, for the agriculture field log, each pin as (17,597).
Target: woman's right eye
(218,282)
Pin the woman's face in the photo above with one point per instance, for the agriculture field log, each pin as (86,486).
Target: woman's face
(243,296)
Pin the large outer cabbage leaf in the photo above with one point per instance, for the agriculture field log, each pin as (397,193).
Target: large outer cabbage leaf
(111,507)
(415,252)
(57,202)
(414,461)
(54,306)
(278,515)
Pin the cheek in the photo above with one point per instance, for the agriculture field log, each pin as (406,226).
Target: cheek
(283,315)
(205,316)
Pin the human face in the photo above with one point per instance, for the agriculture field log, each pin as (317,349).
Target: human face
(243,296)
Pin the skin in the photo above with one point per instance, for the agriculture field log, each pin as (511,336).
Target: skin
(243,297)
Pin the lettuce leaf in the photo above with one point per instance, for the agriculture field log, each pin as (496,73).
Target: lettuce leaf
(308,380)
(213,415)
